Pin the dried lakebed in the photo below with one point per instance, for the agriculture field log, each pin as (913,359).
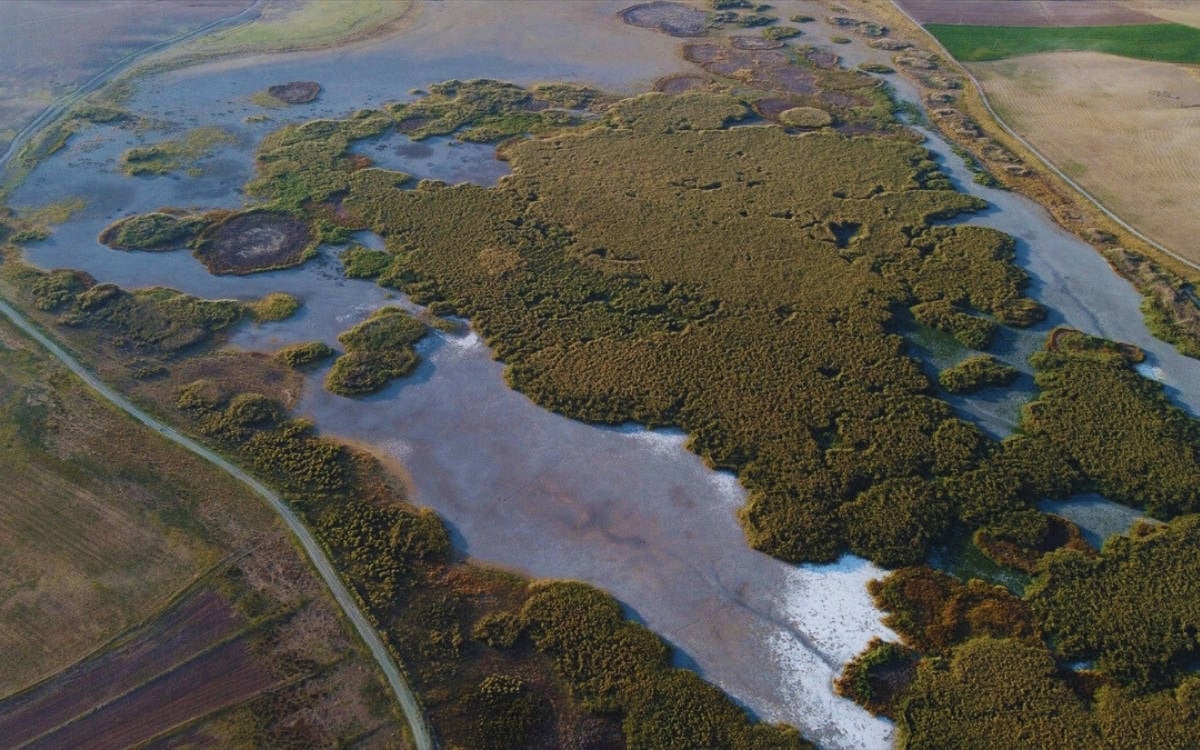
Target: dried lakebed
(626,509)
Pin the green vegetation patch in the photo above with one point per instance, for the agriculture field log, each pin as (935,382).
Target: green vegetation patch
(875,677)
(702,243)
(147,322)
(1164,42)
(168,156)
(976,373)
(304,354)
(485,111)
(985,677)
(995,693)
(274,307)
(1135,608)
(1126,436)
(782,32)
(378,350)
(157,230)
(613,665)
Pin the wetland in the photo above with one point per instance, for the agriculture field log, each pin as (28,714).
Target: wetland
(704,328)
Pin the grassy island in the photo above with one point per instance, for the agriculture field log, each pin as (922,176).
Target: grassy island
(168,156)
(976,373)
(378,350)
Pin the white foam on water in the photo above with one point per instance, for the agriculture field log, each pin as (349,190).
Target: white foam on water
(1153,372)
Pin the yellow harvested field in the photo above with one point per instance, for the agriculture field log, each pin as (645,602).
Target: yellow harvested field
(1127,131)
(1186,12)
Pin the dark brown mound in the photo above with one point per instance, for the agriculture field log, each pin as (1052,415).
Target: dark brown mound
(823,59)
(842,99)
(755,42)
(409,124)
(296,92)
(771,107)
(768,69)
(254,241)
(675,19)
(682,82)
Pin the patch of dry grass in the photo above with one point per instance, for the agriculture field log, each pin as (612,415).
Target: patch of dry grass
(1129,131)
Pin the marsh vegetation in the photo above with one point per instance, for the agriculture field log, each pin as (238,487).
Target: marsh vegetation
(378,350)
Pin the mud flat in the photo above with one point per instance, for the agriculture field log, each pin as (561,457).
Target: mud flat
(676,19)
(295,92)
(254,241)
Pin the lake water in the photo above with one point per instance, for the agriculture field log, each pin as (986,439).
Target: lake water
(627,509)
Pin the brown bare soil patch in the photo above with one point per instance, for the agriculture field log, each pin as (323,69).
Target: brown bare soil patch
(1185,12)
(675,19)
(755,42)
(681,83)
(254,241)
(295,92)
(212,680)
(1026,12)
(773,106)
(767,69)
(195,625)
(1128,131)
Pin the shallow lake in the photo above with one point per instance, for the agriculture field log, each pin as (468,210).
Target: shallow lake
(627,509)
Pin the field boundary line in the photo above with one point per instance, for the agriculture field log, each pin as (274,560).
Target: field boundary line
(1045,161)
(415,717)
(418,723)
(240,635)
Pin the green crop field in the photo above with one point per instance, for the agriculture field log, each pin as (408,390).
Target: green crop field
(1163,42)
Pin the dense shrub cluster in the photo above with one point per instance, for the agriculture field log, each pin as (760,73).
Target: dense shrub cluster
(274,307)
(988,679)
(933,611)
(147,322)
(976,373)
(169,155)
(994,693)
(876,677)
(304,353)
(1133,445)
(152,231)
(1135,608)
(378,350)
(613,665)
(777,256)
(484,111)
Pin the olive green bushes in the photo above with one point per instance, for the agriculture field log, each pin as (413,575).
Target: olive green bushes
(156,230)
(146,322)
(976,373)
(986,677)
(378,349)
(1135,608)
(274,307)
(613,665)
(304,353)
(994,693)
(465,634)
(168,156)
(739,283)
(493,110)
(875,677)
(1118,427)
